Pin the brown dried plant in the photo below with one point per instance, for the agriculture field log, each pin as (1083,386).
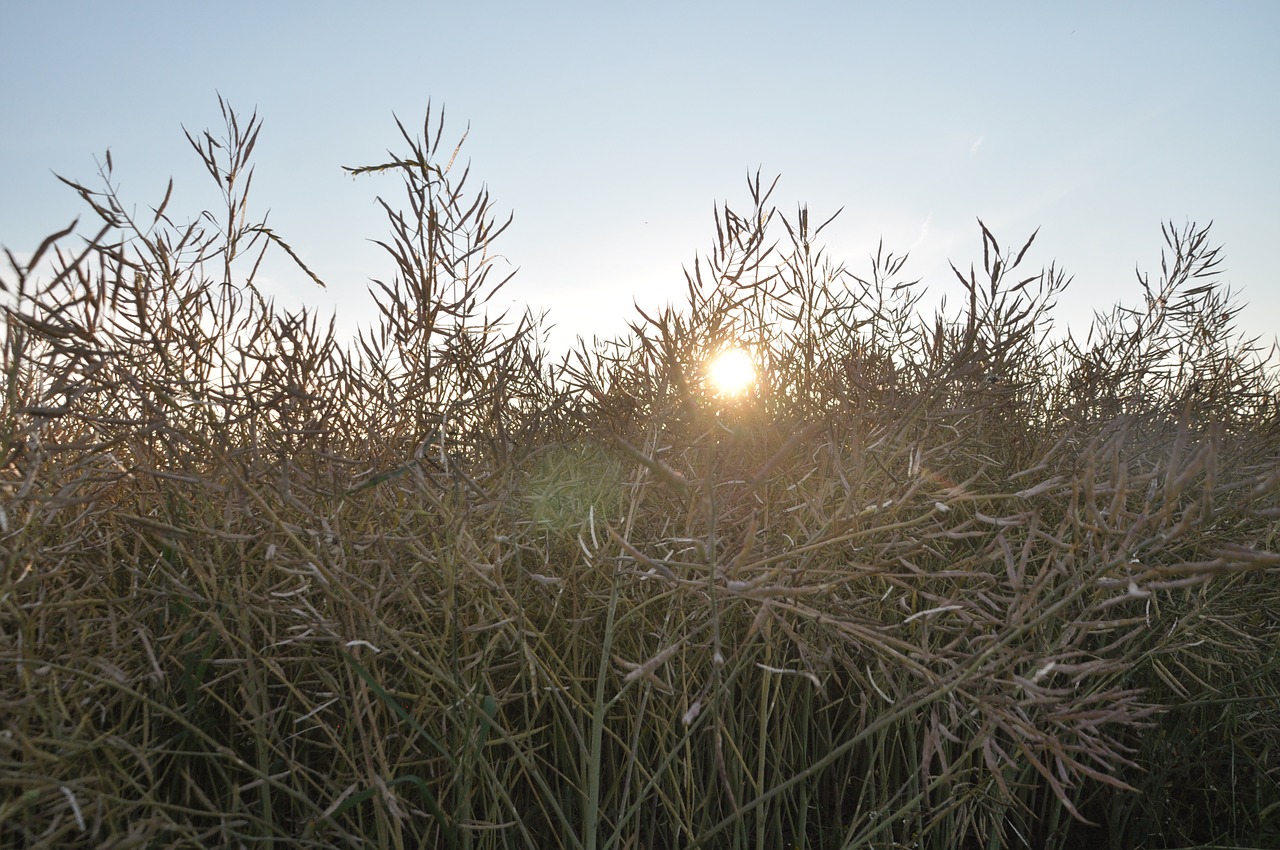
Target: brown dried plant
(943,581)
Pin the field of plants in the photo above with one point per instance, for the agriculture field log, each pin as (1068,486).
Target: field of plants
(935,580)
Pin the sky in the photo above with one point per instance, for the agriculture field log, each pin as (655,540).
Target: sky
(611,131)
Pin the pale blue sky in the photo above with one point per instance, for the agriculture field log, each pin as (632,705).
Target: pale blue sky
(611,130)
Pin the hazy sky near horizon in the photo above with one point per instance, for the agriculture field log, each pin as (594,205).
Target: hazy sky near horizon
(612,131)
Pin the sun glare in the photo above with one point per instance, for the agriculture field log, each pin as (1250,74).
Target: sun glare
(731,371)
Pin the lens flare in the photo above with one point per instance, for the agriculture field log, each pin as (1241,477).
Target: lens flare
(731,371)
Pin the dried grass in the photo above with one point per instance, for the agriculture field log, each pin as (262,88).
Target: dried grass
(938,582)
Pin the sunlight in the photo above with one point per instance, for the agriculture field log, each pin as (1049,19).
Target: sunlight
(731,371)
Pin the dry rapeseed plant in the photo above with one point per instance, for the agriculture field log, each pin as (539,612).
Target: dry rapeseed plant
(431,588)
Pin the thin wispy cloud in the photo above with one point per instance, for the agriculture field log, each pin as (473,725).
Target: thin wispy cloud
(924,231)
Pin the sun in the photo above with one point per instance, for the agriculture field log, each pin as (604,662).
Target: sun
(731,372)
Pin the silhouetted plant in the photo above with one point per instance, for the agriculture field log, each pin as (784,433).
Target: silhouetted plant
(936,581)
